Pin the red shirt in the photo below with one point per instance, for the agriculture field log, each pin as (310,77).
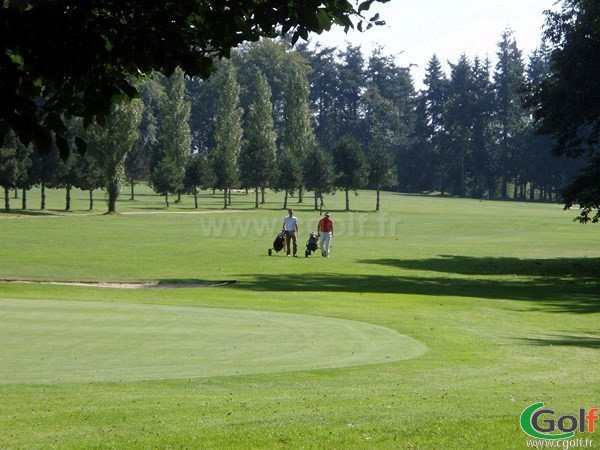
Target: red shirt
(325,224)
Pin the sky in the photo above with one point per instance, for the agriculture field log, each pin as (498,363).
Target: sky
(416,29)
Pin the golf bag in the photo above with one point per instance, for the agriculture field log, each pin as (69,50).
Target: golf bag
(312,244)
(278,243)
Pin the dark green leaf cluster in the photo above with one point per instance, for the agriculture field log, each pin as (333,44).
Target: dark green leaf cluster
(71,58)
(568,101)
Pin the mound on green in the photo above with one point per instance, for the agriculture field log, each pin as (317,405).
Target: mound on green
(60,341)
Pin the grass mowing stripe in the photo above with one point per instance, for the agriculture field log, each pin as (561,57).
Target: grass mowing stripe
(61,341)
(504,295)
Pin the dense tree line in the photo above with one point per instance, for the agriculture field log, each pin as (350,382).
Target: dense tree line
(315,119)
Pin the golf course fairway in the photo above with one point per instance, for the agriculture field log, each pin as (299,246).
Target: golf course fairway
(49,341)
(434,324)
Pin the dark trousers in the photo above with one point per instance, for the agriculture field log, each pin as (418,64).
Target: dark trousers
(291,236)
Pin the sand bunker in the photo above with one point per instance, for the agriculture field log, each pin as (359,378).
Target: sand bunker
(129,285)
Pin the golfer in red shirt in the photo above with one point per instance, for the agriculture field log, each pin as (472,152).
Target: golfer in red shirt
(325,229)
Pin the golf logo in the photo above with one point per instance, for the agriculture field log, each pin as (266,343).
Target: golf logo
(542,423)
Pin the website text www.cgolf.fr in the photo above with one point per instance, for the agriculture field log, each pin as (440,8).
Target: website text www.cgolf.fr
(351,225)
(561,443)
(551,431)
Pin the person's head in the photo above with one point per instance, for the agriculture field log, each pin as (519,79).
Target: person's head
(327,214)
(290,212)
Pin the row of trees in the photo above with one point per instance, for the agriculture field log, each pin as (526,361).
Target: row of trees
(465,133)
(150,139)
(316,119)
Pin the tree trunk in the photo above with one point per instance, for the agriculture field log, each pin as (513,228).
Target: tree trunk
(285,199)
(24,200)
(225,198)
(347,201)
(7,199)
(196,197)
(229,196)
(463,189)
(167,199)
(522,189)
(132,190)
(532,191)
(112,203)
(377,204)
(256,202)
(262,190)
(112,190)
(316,200)
(300,192)
(68,198)
(43,197)
(91,199)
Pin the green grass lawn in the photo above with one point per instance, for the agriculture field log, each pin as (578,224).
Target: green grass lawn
(434,324)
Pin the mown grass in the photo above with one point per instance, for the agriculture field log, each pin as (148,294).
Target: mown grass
(504,296)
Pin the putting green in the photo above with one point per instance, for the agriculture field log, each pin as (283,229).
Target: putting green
(62,342)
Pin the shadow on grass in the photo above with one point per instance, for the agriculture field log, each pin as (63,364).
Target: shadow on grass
(565,285)
(565,341)
(39,212)
(578,269)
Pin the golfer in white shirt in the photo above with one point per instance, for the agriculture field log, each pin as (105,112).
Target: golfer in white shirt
(290,226)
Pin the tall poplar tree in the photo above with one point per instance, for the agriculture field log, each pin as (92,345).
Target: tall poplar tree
(298,133)
(257,159)
(139,160)
(175,139)
(228,132)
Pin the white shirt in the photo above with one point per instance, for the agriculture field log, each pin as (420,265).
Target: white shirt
(290,223)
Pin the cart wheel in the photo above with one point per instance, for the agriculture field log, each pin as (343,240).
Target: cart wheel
(270,251)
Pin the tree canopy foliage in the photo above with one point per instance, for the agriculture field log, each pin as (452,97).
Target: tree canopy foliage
(568,101)
(73,58)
